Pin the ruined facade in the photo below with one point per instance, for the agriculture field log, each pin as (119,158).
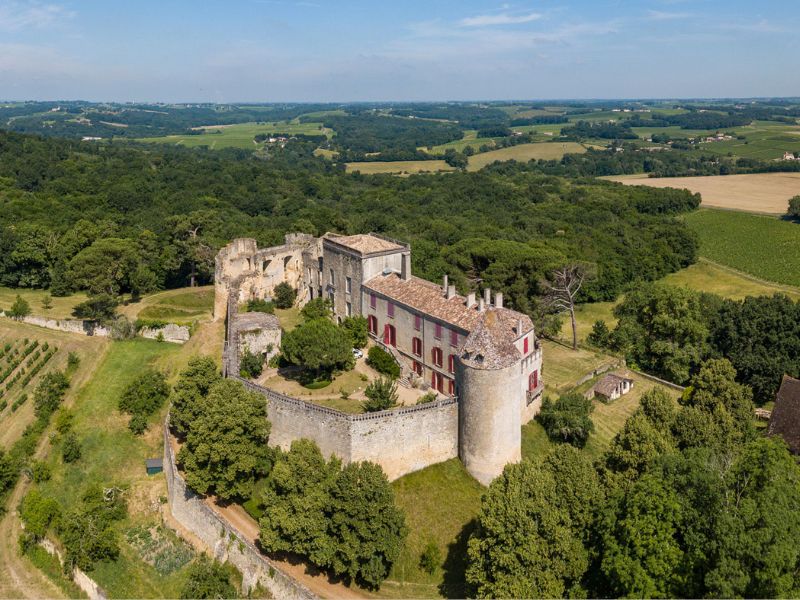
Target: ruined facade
(483,356)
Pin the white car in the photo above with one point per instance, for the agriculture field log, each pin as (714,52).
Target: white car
(357,353)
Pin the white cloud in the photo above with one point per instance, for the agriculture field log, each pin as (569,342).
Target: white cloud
(23,15)
(499,19)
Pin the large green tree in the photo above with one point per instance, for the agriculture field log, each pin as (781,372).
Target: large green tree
(192,387)
(226,447)
(318,345)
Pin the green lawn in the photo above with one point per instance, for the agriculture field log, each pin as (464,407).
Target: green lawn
(240,135)
(563,367)
(111,455)
(183,306)
(289,317)
(765,247)
(62,307)
(439,502)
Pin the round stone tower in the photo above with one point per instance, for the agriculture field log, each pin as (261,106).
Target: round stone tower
(488,383)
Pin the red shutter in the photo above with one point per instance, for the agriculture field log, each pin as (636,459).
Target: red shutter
(373,301)
(451,387)
(386,335)
(417,322)
(451,363)
(525,344)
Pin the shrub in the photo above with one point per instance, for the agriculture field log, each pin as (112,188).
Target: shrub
(356,327)
(40,471)
(567,419)
(284,295)
(794,208)
(70,448)
(317,308)
(251,365)
(208,578)
(381,394)
(431,558)
(123,329)
(49,393)
(20,309)
(427,397)
(260,305)
(383,362)
(73,360)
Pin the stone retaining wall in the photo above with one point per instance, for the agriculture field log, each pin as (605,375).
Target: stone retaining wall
(224,541)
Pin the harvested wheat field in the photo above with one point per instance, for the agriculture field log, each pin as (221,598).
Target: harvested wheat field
(758,192)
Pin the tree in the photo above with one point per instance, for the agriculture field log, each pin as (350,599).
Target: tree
(192,387)
(100,307)
(143,396)
(600,334)
(641,553)
(636,446)
(189,234)
(207,578)
(70,448)
(250,364)
(296,498)
(523,545)
(794,208)
(86,531)
(366,527)
(284,295)
(561,292)
(226,447)
(19,309)
(318,308)
(49,393)
(381,394)
(356,327)
(106,266)
(567,419)
(319,346)
(431,558)
(47,302)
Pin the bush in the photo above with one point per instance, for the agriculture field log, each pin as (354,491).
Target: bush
(251,365)
(317,308)
(208,578)
(123,329)
(383,362)
(20,309)
(427,397)
(794,208)
(356,327)
(70,448)
(259,305)
(284,295)
(567,419)
(381,394)
(40,471)
(138,424)
(73,360)
(49,393)
(431,558)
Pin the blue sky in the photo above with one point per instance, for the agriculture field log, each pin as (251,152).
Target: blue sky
(345,50)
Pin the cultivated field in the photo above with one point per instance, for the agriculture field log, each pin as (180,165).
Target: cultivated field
(525,152)
(240,135)
(764,247)
(399,167)
(758,192)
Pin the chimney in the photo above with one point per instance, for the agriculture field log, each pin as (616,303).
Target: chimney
(405,267)
(470,299)
(444,284)
(519,327)
(451,291)
(487,296)
(481,305)
(498,300)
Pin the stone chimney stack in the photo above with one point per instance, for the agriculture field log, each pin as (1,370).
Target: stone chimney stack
(451,291)
(470,299)
(405,267)
(444,284)
(487,296)
(498,300)
(519,327)
(481,305)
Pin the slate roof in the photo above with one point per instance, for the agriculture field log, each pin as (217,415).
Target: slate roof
(491,344)
(154,463)
(364,243)
(785,418)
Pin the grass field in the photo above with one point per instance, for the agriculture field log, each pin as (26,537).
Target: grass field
(470,139)
(758,192)
(182,306)
(399,167)
(764,247)
(524,153)
(562,366)
(62,307)
(239,135)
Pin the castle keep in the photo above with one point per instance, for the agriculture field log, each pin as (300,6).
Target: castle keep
(482,358)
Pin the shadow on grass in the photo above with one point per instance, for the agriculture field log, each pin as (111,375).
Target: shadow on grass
(454,583)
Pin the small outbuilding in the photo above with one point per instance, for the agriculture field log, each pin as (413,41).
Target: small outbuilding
(785,418)
(154,466)
(610,387)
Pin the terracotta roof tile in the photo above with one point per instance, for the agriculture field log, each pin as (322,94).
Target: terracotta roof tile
(608,384)
(365,243)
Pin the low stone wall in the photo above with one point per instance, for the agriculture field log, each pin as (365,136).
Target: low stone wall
(81,579)
(177,334)
(68,325)
(223,540)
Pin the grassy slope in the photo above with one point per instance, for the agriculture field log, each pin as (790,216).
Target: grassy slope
(239,135)
(182,306)
(62,307)
(765,247)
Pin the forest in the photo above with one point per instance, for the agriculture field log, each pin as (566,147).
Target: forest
(73,209)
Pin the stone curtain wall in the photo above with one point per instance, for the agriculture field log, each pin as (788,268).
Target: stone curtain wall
(225,541)
(400,440)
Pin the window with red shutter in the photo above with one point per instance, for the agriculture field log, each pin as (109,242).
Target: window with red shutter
(373,300)
(416,346)
(454,338)
(437,331)
(451,387)
(525,345)
(451,363)
(417,322)
(390,309)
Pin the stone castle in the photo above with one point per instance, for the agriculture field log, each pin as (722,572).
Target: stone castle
(482,358)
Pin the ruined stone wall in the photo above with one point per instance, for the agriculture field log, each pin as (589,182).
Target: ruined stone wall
(224,541)
(69,325)
(177,334)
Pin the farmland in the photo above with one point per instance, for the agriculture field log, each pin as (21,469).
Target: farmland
(760,192)
(399,167)
(240,135)
(762,246)
(524,153)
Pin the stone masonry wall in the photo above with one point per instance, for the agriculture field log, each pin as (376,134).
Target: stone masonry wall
(223,540)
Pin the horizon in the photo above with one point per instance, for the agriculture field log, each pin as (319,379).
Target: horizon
(297,51)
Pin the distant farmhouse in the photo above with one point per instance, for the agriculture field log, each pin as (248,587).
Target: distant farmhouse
(785,418)
(481,357)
